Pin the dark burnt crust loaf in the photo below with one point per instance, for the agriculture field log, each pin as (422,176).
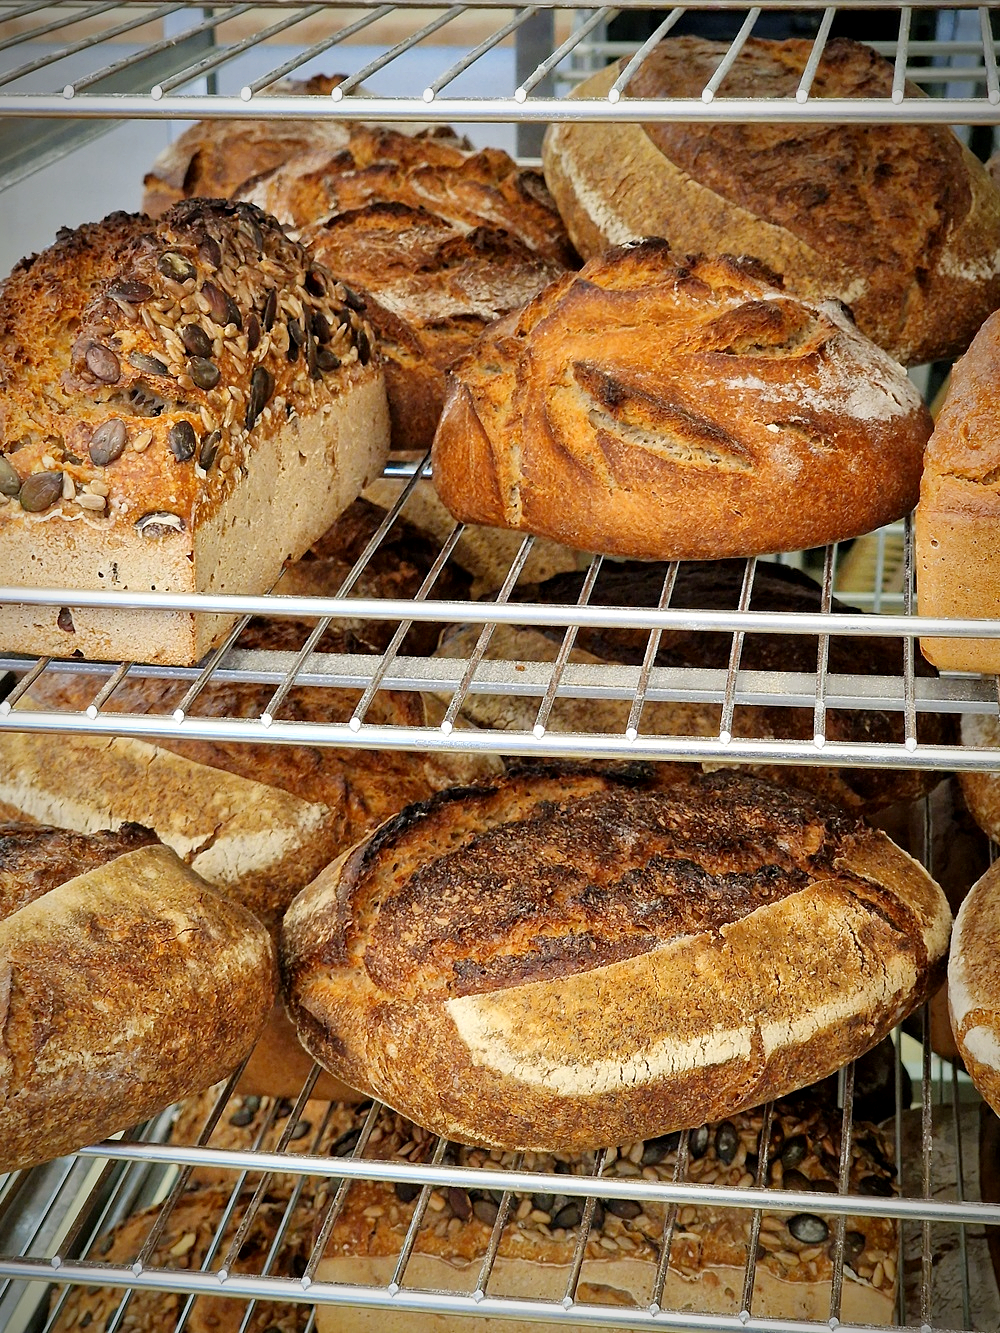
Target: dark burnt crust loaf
(564,958)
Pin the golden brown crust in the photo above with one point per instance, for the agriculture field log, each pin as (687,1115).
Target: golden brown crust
(666,408)
(974,985)
(35,859)
(124,988)
(461,962)
(958,562)
(439,240)
(900,221)
(714,585)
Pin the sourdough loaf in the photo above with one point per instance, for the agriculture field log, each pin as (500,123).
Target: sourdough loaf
(184,405)
(957,554)
(709,1247)
(669,408)
(901,222)
(126,983)
(563,959)
(982,789)
(713,585)
(974,985)
(438,239)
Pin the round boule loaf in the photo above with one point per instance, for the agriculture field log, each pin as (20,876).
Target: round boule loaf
(675,408)
(125,984)
(900,221)
(974,985)
(569,958)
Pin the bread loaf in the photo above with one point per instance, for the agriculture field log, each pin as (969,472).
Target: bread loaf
(664,408)
(708,1252)
(562,959)
(438,239)
(713,585)
(126,983)
(184,405)
(957,555)
(982,789)
(974,985)
(899,221)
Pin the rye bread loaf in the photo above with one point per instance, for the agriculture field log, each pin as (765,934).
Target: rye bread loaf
(956,522)
(708,1250)
(126,983)
(184,405)
(713,585)
(438,239)
(562,959)
(669,408)
(901,222)
(974,985)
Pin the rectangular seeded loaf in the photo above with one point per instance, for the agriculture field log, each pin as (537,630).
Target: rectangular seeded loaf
(184,405)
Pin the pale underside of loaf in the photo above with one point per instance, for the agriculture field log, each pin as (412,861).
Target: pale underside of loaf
(302,476)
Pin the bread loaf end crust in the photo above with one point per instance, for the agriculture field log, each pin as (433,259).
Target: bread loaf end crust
(974,985)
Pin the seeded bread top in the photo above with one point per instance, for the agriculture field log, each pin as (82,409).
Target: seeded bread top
(35,858)
(172,349)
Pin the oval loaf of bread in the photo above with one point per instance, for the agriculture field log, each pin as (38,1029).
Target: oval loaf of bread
(564,959)
(899,221)
(125,983)
(974,985)
(669,408)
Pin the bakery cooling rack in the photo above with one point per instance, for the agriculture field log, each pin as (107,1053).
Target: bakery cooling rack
(882,581)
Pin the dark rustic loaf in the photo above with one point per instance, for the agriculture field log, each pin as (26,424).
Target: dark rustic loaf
(713,586)
(899,221)
(565,959)
(438,239)
(669,408)
(126,983)
(956,522)
(184,405)
(709,1244)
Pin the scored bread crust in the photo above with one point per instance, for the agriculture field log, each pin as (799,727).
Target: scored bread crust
(564,960)
(974,985)
(898,221)
(122,988)
(669,408)
(957,554)
(184,405)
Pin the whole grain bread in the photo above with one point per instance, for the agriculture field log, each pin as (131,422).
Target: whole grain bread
(900,221)
(438,239)
(669,408)
(713,586)
(957,554)
(184,405)
(974,985)
(563,959)
(709,1243)
(125,984)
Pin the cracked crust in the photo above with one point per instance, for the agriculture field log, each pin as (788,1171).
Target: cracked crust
(958,557)
(513,964)
(125,986)
(899,221)
(665,407)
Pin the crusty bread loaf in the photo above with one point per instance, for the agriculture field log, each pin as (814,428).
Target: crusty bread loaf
(126,983)
(669,408)
(438,239)
(713,585)
(957,554)
(974,985)
(982,789)
(899,221)
(709,1247)
(184,405)
(563,959)
(212,158)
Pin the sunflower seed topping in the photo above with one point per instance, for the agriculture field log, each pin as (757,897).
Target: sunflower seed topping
(176,267)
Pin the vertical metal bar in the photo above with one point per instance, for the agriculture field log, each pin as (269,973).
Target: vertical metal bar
(729,59)
(619,85)
(579,1253)
(823,650)
(560,53)
(992,81)
(649,657)
(729,702)
(406,44)
(963,1248)
(107,689)
(815,55)
(503,1213)
(899,67)
(909,680)
(669,1224)
(927,1150)
(23,685)
(760,1179)
(337,1203)
(470,57)
(413,1230)
(843,1186)
(900,1167)
(565,648)
(533,39)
